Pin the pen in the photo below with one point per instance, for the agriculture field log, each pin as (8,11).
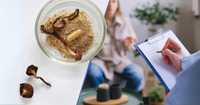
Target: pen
(159,51)
(172,49)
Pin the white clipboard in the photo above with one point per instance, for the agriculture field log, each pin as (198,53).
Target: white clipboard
(148,50)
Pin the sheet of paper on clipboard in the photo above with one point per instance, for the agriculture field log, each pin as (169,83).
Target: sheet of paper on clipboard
(148,50)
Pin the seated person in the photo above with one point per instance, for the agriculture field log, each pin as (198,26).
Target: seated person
(119,39)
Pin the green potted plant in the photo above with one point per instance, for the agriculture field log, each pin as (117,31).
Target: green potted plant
(155,15)
(155,96)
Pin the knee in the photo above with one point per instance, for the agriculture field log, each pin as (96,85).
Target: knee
(138,83)
(95,72)
(134,72)
(135,77)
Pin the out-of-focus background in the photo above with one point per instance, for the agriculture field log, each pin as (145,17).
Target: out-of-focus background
(186,26)
(146,18)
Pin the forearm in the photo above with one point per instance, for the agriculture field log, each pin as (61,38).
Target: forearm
(189,61)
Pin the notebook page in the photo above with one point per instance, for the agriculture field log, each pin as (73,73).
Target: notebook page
(166,72)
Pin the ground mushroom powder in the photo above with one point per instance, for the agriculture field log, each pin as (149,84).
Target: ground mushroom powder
(69,32)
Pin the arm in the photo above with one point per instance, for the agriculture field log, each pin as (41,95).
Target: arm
(187,83)
(187,62)
(129,35)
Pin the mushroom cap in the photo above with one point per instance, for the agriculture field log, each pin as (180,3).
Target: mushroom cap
(59,23)
(32,70)
(26,90)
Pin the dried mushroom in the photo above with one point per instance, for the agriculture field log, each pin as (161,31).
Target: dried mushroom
(32,71)
(26,90)
(59,23)
(74,34)
(73,15)
(48,30)
(70,52)
(77,55)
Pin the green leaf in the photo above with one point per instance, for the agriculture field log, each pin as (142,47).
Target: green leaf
(156,14)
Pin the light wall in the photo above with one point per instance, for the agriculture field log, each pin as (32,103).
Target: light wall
(187,27)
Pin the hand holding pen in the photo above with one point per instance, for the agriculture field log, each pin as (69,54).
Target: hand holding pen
(171,53)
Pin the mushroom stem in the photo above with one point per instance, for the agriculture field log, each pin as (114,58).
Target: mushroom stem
(76,55)
(73,15)
(45,82)
(74,34)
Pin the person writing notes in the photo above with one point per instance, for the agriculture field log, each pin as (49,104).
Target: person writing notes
(186,91)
